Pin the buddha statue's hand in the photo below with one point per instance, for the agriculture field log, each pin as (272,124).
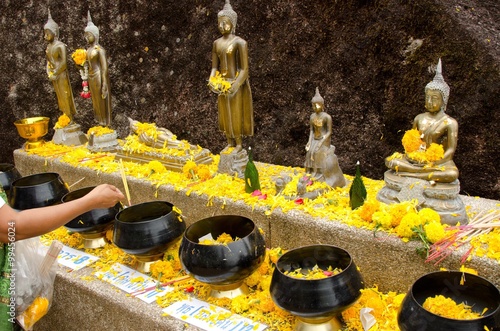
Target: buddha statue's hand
(104,91)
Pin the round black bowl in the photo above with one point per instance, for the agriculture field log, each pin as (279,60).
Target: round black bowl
(94,221)
(37,190)
(476,292)
(226,264)
(8,174)
(316,298)
(146,230)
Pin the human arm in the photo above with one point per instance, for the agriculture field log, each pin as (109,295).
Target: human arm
(34,222)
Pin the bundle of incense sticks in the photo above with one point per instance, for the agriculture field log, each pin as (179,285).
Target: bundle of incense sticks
(482,223)
(52,254)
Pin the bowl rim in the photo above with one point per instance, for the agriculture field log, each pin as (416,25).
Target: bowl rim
(351,262)
(54,174)
(234,242)
(36,120)
(127,209)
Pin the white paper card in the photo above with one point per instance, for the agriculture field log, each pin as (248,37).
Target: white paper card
(130,280)
(198,313)
(75,259)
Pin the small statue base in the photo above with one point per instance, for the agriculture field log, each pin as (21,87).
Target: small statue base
(104,143)
(231,163)
(442,197)
(70,135)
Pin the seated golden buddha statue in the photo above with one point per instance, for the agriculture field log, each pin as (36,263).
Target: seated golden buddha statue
(426,170)
(321,162)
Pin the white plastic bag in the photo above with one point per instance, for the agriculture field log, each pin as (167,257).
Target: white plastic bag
(35,273)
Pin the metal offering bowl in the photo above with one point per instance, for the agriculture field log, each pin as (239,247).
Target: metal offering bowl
(476,292)
(146,230)
(93,224)
(33,129)
(8,174)
(38,190)
(316,301)
(223,266)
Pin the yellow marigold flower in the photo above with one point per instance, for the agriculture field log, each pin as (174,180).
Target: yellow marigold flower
(409,221)
(162,271)
(434,152)
(398,210)
(383,218)
(204,172)
(79,56)
(190,169)
(434,231)
(412,141)
(428,215)
(156,167)
(369,207)
(62,121)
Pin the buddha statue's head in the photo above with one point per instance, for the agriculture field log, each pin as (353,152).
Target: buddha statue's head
(317,101)
(228,12)
(52,26)
(91,28)
(438,84)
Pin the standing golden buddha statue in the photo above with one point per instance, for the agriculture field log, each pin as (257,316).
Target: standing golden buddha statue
(57,71)
(100,91)
(229,78)
(426,171)
(98,75)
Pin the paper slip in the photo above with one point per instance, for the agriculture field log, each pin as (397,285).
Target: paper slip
(75,259)
(130,280)
(206,316)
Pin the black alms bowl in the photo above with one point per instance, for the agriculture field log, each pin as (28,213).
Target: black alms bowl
(222,264)
(314,298)
(147,229)
(475,291)
(8,174)
(37,190)
(93,221)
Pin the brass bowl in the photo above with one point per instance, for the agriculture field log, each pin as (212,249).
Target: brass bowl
(33,129)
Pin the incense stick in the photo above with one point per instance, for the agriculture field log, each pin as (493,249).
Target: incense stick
(78,181)
(124,180)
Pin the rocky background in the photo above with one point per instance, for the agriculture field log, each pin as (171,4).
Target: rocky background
(369,58)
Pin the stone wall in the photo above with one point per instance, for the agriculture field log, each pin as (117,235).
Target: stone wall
(353,50)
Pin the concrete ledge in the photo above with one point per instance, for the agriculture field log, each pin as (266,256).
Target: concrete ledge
(383,260)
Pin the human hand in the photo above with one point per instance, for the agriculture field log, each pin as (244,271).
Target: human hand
(105,196)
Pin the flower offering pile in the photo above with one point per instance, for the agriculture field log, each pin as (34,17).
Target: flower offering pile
(223,239)
(219,84)
(447,307)
(313,273)
(417,151)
